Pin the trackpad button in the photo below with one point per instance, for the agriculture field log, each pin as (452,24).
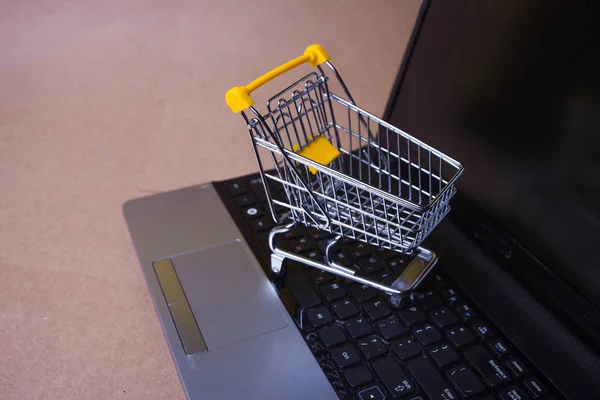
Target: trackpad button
(230,297)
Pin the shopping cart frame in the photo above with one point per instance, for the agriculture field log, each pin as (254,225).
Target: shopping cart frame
(311,205)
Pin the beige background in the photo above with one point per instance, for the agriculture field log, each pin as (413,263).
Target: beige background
(103,101)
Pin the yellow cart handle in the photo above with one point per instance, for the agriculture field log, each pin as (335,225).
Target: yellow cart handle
(238,98)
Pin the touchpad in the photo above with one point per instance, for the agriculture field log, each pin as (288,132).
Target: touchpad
(231,299)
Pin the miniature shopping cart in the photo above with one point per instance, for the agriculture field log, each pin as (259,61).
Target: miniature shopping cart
(327,164)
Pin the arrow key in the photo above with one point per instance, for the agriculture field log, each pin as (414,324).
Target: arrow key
(372,393)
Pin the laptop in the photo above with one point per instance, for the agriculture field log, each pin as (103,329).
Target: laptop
(512,308)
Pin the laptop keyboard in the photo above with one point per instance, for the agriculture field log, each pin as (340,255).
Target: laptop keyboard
(435,345)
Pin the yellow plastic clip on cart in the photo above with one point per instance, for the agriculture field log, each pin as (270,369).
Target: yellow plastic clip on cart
(323,166)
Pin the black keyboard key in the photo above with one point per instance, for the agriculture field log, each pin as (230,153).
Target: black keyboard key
(332,335)
(372,347)
(433,384)
(487,398)
(370,265)
(317,234)
(535,387)
(429,300)
(245,200)
(345,309)
(450,296)
(406,348)
(358,376)
(372,393)
(517,367)
(236,188)
(513,393)
(467,383)
(393,377)
(499,348)
(319,316)
(363,293)
(460,336)
(293,233)
(465,312)
(341,257)
(427,334)
(361,249)
(319,276)
(300,288)
(385,277)
(411,316)
(345,356)
(487,366)
(314,254)
(390,328)
(443,317)
(258,189)
(386,254)
(398,264)
(253,212)
(358,327)
(444,355)
(482,330)
(376,310)
(261,224)
(301,245)
(333,291)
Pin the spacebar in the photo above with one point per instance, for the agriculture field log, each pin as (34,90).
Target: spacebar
(434,385)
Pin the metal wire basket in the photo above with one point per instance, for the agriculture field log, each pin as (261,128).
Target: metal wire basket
(328,164)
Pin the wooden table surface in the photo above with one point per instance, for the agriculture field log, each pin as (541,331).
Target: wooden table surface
(103,101)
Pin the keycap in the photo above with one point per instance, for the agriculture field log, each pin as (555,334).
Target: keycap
(499,348)
(261,224)
(465,312)
(293,233)
(487,398)
(411,316)
(358,327)
(433,384)
(345,356)
(385,277)
(487,366)
(319,276)
(376,310)
(317,234)
(371,347)
(398,264)
(393,377)
(314,254)
(450,296)
(341,257)
(465,381)
(429,300)
(390,328)
(372,393)
(513,393)
(345,309)
(319,316)
(460,336)
(443,354)
(358,376)
(370,265)
(253,212)
(406,348)
(517,367)
(300,288)
(482,330)
(360,250)
(301,245)
(386,254)
(443,317)
(245,200)
(535,387)
(427,334)
(363,293)
(333,291)
(237,187)
(332,335)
